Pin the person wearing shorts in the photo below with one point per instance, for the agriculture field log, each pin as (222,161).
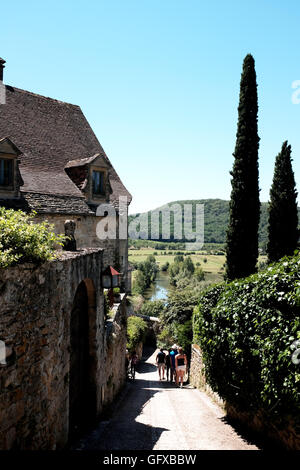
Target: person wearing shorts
(161,363)
(181,366)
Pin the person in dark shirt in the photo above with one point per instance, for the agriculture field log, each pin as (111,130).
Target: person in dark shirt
(168,366)
(172,357)
(160,362)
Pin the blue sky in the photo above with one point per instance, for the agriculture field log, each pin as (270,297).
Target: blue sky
(158,81)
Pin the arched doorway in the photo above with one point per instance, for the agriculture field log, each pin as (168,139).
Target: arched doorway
(82,396)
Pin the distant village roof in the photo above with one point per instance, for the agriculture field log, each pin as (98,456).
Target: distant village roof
(52,135)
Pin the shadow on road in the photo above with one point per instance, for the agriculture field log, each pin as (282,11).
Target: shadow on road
(250,436)
(121,427)
(147,352)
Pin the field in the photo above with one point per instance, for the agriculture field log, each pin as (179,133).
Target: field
(213,267)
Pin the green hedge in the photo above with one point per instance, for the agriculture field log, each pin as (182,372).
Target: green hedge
(136,332)
(245,330)
(21,240)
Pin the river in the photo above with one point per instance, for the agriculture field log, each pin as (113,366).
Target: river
(159,288)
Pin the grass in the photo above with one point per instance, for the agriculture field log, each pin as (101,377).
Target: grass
(213,268)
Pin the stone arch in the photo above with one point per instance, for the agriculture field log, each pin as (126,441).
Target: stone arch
(82,375)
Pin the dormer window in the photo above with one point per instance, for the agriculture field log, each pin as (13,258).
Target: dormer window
(91,176)
(10,176)
(6,172)
(98,183)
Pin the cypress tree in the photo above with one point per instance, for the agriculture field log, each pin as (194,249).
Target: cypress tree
(242,232)
(283,212)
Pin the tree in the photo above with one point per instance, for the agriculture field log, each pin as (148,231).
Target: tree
(199,274)
(242,232)
(149,269)
(180,306)
(146,274)
(188,265)
(283,212)
(140,283)
(165,266)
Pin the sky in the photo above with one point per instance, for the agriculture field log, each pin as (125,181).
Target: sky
(158,81)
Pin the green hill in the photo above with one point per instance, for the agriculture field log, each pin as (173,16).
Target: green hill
(216,216)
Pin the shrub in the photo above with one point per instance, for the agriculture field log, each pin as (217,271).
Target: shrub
(245,330)
(136,332)
(109,312)
(199,274)
(23,241)
(165,266)
(165,337)
(179,333)
(188,265)
(180,306)
(184,335)
(152,308)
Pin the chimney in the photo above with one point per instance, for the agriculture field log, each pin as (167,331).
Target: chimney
(2,62)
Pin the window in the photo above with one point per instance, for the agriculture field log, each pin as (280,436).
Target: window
(6,172)
(98,182)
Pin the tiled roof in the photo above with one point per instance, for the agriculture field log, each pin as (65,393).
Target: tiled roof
(81,161)
(49,204)
(57,204)
(50,134)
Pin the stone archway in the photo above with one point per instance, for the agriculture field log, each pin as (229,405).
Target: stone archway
(82,380)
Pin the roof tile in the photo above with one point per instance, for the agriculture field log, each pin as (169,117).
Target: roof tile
(50,134)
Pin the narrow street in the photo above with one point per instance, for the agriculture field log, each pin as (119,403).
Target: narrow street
(156,415)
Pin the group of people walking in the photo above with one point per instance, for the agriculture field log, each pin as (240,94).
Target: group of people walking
(173,365)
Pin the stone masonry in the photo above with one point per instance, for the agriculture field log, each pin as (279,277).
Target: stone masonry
(35,314)
(197,374)
(285,434)
(115,250)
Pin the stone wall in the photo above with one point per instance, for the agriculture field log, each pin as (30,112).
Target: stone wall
(36,307)
(197,374)
(285,434)
(116,339)
(115,251)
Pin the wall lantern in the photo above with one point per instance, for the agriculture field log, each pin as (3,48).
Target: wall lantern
(110,278)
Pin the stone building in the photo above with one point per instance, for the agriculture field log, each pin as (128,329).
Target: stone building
(62,359)
(52,163)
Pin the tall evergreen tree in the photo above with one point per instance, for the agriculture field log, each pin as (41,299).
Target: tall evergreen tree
(242,232)
(283,212)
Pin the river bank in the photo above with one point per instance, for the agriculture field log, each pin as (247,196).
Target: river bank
(159,288)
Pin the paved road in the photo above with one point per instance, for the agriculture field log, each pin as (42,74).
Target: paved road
(154,415)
